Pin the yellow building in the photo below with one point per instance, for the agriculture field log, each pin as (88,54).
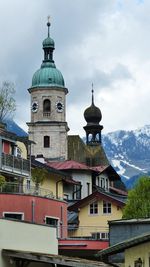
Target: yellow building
(94,212)
(53,184)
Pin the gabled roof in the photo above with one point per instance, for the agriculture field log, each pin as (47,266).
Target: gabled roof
(108,169)
(120,247)
(98,195)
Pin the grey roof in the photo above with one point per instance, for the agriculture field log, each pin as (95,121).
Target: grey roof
(118,197)
(120,247)
(130,221)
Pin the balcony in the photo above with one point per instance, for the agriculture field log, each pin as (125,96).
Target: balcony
(16,188)
(15,165)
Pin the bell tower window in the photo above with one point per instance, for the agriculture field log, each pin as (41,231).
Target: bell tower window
(46,141)
(46,107)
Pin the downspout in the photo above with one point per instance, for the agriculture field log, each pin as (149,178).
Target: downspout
(33,211)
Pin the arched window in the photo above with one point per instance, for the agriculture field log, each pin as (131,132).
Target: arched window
(46,141)
(46,106)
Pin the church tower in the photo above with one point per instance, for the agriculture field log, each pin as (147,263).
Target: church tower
(48,127)
(93,129)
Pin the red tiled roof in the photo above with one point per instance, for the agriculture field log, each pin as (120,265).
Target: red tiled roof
(69,165)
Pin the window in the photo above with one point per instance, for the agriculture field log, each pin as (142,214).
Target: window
(102,182)
(94,208)
(77,192)
(99,235)
(106,207)
(46,107)
(19,152)
(13,215)
(53,222)
(28,184)
(46,141)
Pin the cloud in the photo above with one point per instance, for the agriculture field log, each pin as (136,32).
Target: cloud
(103,42)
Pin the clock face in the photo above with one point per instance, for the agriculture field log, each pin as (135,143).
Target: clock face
(34,106)
(59,106)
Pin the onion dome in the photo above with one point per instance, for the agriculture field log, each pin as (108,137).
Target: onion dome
(92,114)
(48,75)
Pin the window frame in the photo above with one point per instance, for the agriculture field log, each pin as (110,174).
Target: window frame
(15,212)
(94,208)
(107,208)
(57,226)
(99,235)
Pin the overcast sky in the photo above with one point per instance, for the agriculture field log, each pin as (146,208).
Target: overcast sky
(106,43)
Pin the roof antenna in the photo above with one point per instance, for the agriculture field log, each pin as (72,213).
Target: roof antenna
(48,25)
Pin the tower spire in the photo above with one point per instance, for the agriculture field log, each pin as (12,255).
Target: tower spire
(48,25)
(92,95)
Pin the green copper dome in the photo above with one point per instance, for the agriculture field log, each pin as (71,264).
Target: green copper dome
(48,75)
(48,42)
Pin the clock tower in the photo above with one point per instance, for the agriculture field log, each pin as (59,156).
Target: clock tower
(48,127)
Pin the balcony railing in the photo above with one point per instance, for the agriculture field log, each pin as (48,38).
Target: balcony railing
(14,164)
(16,188)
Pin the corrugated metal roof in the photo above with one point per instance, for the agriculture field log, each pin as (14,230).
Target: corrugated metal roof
(51,259)
(69,165)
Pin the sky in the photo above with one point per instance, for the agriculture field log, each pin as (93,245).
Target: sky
(106,43)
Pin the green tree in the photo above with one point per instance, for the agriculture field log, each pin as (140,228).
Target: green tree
(138,203)
(38,177)
(2,181)
(7,101)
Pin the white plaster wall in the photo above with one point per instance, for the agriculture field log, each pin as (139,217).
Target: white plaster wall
(84,178)
(26,237)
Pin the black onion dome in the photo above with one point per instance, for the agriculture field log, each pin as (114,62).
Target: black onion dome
(92,114)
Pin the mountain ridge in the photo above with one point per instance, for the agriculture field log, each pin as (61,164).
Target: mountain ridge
(129,152)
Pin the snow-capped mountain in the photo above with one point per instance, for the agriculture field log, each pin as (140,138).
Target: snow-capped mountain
(129,151)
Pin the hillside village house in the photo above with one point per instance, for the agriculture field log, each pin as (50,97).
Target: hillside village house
(79,175)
